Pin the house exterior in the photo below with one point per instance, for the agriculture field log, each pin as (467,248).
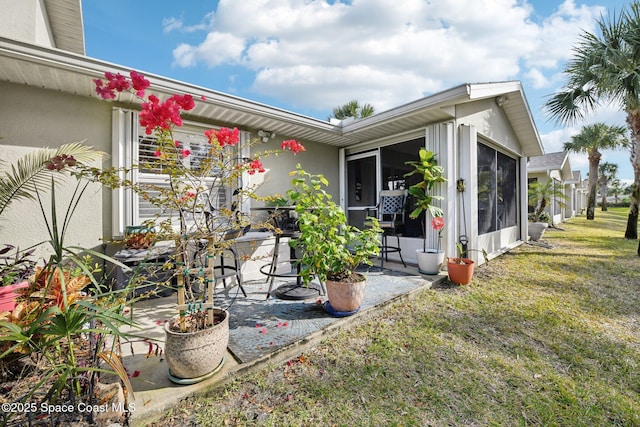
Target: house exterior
(483,134)
(557,166)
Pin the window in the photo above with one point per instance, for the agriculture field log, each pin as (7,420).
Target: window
(497,190)
(152,175)
(131,147)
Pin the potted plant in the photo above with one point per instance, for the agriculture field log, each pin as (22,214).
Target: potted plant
(460,269)
(330,248)
(540,196)
(64,315)
(430,174)
(189,216)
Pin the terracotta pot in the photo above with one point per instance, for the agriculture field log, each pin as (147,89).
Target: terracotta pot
(460,274)
(429,261)
(192,355)
(346,296)
(8,296)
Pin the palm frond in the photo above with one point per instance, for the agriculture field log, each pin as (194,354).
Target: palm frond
(30,171)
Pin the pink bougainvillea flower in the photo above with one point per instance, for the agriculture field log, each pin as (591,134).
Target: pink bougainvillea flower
(263,330)
(139,83)
(225,136)
(160,115)
(184,101)
(157,153)
(255,166)
(293,145)
(185,153)
(103,90)
(117,82)
(437,223)
(210,134)
(203,98)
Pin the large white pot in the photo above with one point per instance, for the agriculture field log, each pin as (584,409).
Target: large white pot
(193,355)
(536,230)
(429,261)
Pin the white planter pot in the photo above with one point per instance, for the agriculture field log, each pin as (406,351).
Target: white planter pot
(429,261)
(536,230)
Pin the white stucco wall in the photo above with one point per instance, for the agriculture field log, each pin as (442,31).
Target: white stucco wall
(316,159)
(32,118)
(25,20)
(490,121)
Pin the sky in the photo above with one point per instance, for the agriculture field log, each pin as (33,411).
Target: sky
(308,56)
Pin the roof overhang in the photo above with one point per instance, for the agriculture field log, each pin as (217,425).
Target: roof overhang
(63,71)
(65,18)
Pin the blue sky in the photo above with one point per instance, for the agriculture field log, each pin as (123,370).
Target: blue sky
(308,56)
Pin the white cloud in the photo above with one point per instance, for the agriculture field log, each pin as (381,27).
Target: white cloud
(216,49)
(316,54)
(171,24)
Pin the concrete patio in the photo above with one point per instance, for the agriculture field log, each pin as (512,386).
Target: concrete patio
(261,331)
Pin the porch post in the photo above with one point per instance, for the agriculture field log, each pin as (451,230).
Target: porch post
(468,200)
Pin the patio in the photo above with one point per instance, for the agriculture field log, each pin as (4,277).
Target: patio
(260,331)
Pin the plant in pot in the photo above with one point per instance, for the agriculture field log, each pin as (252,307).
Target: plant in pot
(65,318)
(330,248)
(192,215)
(430,173)
(460,269)
(540,196)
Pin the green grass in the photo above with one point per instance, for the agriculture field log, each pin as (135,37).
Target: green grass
(543,337)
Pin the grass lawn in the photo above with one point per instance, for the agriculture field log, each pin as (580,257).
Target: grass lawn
(541,337)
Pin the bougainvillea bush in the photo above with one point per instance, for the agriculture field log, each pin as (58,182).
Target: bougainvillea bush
(187,199)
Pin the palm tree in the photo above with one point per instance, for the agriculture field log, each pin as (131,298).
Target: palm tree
(604,69)
(353,109)
(542,196)
(607,173)
(32,172)
(590,140)
(617,188)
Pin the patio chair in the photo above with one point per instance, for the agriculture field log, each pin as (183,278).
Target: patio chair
(223,270)
(390,214)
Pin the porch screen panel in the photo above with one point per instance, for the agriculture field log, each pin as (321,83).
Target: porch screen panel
(497,190)
(487,206)
(507,192)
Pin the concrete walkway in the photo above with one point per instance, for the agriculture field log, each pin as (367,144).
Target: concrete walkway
(261,331)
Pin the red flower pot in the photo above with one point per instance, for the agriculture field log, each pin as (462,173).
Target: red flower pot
(460,274)
(8,296)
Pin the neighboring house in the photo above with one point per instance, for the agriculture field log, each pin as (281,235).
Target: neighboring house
(579,193)
(483,134)
(556,166)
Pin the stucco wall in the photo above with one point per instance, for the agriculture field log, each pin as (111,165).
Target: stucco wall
(318,158)
(32,118)
(490,121)
(25,20)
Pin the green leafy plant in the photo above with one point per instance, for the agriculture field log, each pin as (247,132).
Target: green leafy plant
(430,174)
(15,266)
(330,248)
(463,254)
(187,198)
(57,321)
(541,195)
